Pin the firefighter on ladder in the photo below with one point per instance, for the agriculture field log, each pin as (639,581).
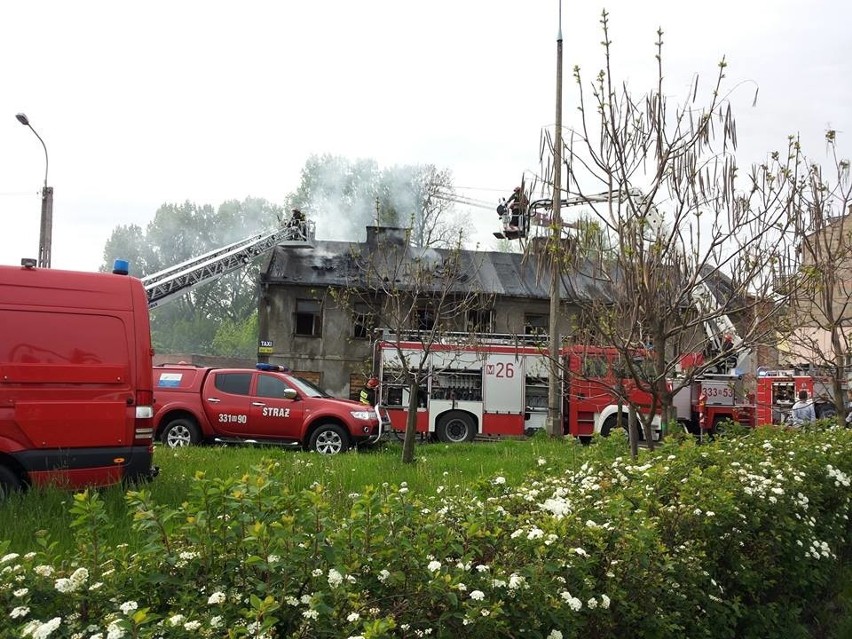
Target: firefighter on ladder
(297,225)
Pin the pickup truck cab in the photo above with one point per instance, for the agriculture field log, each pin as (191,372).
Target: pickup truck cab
(199,404)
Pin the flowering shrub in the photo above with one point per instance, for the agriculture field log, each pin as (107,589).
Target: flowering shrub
(738,538)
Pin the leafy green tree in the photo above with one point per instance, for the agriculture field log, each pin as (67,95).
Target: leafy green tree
(237,338)
(127,242)
(178,232)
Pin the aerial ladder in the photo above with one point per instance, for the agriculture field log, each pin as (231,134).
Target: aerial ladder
(170,283)
(721,332)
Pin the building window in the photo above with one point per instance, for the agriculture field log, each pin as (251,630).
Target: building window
(308,318)
(356,383)
(364,322)
(480,320)
(535,324)
(425,319)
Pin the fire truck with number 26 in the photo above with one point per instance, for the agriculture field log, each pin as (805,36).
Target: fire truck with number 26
(498,385)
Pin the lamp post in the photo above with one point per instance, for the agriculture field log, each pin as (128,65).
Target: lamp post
(46,230)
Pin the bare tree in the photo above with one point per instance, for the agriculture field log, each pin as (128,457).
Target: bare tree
(690,252)
(818,330)
(345,195)
(418,195)
(416,294)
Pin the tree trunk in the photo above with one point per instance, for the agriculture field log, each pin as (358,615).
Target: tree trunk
(410,424)
(839,379)
(632,431)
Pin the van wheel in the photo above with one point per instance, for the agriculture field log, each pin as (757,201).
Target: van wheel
(9,482)
(329,439)
(181,432)
(454,428)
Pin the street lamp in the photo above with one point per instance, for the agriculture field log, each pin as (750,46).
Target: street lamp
(46,231)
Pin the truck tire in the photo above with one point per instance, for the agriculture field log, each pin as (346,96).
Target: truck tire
(329,439)
(182,431)
(455,427)
(9,482)
(610,424)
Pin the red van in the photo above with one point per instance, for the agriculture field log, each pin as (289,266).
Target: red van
(76,396)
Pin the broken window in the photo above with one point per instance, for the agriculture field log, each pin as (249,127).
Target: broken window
(308,318)
(535,324)
(480,320)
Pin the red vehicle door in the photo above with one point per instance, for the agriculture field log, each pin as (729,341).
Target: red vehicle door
(226,397)
(589,389)
(273,416)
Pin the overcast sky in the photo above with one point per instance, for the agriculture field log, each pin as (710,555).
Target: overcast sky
(145,103)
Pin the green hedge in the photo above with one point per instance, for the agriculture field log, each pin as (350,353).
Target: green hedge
(744,537)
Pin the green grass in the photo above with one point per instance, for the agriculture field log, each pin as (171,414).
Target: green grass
(22,517)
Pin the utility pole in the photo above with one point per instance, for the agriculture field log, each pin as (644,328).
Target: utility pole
(554,389)
(46,228)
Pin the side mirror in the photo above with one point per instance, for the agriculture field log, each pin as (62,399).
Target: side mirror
(290,393)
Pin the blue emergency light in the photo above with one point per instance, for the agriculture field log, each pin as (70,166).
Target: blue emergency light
(263,366)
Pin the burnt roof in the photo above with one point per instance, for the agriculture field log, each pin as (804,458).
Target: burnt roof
(334,264)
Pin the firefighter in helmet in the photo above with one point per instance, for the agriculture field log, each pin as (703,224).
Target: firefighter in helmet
(368,393)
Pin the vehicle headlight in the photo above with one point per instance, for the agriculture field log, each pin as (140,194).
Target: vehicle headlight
(363,414)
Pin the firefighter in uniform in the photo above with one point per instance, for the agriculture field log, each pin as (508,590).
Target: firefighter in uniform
(368,393)
(517,204)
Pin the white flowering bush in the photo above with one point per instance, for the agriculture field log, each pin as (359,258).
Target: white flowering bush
(739,538)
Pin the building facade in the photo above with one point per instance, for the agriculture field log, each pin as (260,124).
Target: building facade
(304,325)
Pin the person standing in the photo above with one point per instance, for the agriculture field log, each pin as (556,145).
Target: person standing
(802,411)
(368,393)
(517,204)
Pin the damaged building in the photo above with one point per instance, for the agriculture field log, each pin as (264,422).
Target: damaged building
(303,324)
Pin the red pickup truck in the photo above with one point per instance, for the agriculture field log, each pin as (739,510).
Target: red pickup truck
(197,404)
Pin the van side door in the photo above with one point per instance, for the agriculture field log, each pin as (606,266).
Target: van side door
(273,416)
(226,398)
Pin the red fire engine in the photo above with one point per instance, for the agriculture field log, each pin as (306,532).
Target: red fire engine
(717,396)
(778,390)
(498,385)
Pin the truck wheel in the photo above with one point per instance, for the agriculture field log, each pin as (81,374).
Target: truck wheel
(610,424)
(181,432)
(329,439)
(456,427)
(9,482)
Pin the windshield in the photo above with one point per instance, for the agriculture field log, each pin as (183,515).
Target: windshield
(307,388)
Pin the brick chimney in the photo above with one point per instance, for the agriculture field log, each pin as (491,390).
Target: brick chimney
(387,235)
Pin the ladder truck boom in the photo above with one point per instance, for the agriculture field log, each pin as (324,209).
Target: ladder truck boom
(718,326)
(170,283)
